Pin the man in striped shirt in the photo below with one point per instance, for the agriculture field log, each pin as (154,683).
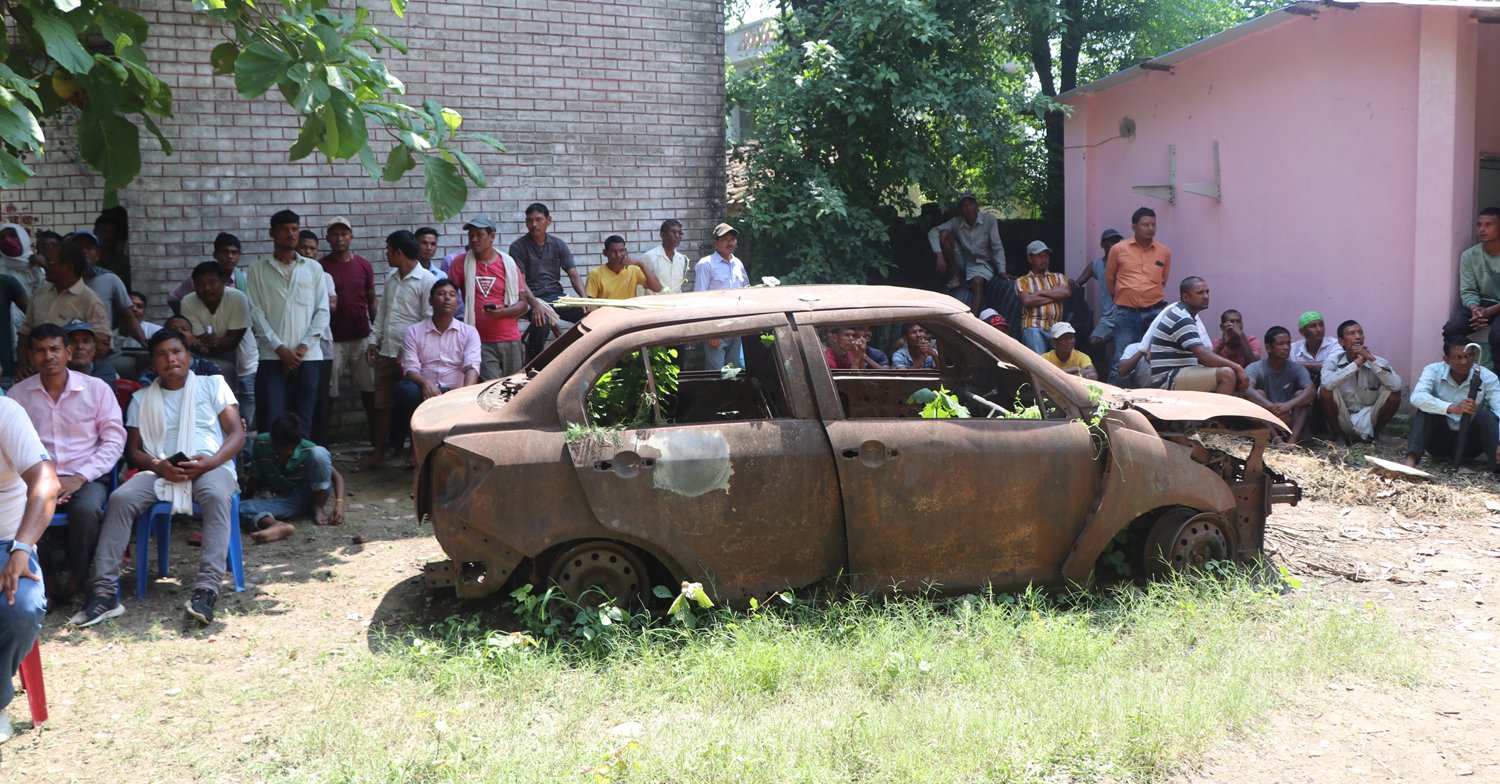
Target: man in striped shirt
(1042,294)
(1180,354)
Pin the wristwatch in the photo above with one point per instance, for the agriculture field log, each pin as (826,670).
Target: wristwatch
(20,545)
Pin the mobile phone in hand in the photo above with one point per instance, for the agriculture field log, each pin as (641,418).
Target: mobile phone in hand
(492,306)
(178,459)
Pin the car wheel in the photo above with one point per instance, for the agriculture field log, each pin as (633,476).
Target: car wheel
(1185,540)
(603,567)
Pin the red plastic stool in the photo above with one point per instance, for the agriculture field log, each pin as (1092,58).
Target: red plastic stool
(31,681)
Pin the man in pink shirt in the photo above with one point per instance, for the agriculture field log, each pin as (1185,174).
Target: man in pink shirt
(438,354)
(79,422)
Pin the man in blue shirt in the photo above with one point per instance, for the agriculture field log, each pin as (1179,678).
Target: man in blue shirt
(721,270)
(1444,395)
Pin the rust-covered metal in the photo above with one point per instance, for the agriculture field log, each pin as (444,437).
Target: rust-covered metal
(794,474)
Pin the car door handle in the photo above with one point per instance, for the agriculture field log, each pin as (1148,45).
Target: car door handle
(625,462)
(870,453)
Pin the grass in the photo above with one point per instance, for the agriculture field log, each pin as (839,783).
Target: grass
(1122,687)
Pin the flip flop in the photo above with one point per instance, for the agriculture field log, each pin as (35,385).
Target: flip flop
(195,538)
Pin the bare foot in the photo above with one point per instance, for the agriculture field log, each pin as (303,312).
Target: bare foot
(1412,460)
(273,531)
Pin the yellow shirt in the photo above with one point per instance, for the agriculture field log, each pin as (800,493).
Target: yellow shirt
(607,284)
(1076,361)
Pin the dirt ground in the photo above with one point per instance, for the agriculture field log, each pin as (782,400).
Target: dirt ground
(153,698)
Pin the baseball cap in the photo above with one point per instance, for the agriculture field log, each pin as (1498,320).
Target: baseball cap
(1110,234)
(1037,246)
(341,222)
(78,325)
(724,228)
(480,222)
(1062,328)
(963,197)
(1308,318)
(75,235)
(994,319)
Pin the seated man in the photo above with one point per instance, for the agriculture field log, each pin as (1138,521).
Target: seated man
(1447,393)
(83,349)
(138,304)
(1065,338)
(917,350)
(848,349)
(876,355)
(288,476)
(1312,349)
(1281,386)
(78,420)
(199,365)
(1360,391)
(620,274)
(1179,352)
(437,354)
(62,299)
(183,433)
(1233,344)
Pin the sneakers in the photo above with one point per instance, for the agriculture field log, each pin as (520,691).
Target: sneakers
(96,609)
(201,606)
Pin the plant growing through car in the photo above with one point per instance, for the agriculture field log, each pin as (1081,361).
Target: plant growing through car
(635,391)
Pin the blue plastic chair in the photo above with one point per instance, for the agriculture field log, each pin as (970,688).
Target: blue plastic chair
(157,521)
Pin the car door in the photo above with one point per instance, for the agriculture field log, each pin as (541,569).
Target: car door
(739,485)
(960,503)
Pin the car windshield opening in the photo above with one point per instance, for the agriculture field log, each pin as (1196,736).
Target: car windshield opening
(670,384)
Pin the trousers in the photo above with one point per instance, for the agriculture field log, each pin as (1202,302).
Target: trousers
(1430,434)
(213,491)
(278,390)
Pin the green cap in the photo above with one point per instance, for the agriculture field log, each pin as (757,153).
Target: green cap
(1308,318)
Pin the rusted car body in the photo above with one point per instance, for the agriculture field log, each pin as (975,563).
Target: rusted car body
(789,473)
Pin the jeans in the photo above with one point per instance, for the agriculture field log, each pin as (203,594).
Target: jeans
(85,517)
(19,624)
(299,501)
(408,397)
(213,492)
(278,390)
(726,353)
(1130,327)
(1035,339)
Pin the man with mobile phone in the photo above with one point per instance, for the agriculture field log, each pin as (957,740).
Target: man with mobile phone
(495,296)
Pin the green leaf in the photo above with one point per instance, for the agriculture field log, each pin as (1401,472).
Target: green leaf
(115,21)
(452,118)
(62,43)
(223,58)
(470,167)
(314,94)
(166,145)
(26,88)
(112,145)
(19,127)
(399,6)
(399,163)
(113,66)
(367,159)
(445,190)
(483,139)
(258,67)
(350,123)
(308,137)
(13,173)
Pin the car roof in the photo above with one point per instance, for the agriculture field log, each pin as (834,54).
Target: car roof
(768,299)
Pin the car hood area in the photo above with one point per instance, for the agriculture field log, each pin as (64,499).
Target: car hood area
(1167,407)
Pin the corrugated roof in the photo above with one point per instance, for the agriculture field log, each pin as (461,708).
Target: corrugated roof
(1308,8)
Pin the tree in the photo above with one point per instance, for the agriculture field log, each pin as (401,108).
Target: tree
(88,54)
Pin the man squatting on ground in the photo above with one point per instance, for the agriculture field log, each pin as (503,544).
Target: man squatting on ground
(1360,392)
(1446,393)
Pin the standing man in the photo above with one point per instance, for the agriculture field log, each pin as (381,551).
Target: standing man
(63,298)
(1479,284)
(219,319)
(542,258)
(78,420)
(111,290)
(1179,351)
(1312,350)
(1281,386)
(437,355)
(1360,391)
(721,270)
(664,260)
(620,276)
(408,288)
(1444,394)
(495,294)
(427,242)
(184,432)
(1136,274)
(28,494)
(967,248)
(1101,341)
(227,256)
(1042,295)
(289,312)
(354,284)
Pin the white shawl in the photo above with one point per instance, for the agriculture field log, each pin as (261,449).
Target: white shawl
(512,284)
(154,435)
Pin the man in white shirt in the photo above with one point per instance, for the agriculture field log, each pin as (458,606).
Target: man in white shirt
(664,260)
(183,433)
(220,319)
(1360,391)
(427,243)
(1313,349)
(407,289)
(28,493)
(289,313)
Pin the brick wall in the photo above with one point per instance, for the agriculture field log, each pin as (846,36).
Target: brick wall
(612,113)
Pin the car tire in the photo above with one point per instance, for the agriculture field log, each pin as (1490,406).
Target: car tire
(586,570)
(1185,540)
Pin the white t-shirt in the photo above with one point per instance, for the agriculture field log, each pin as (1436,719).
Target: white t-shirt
(20,449)
(214,396)
(233,313)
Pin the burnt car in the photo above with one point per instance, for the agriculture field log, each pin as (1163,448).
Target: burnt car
(613,462)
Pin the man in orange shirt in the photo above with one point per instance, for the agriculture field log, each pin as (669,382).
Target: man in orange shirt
(1136,273)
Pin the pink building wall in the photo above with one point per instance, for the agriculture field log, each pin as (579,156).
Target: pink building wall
(1348,148)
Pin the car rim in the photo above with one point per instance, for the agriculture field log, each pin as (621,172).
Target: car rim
(611,568)
(1189,544)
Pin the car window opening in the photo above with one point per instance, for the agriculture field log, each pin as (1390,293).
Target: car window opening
(653,386)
